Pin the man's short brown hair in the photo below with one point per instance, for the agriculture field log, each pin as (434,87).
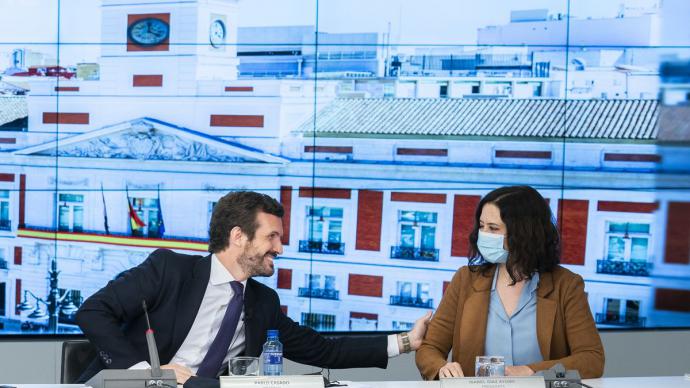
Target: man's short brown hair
(239,209)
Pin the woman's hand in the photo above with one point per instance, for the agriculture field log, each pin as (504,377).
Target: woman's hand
(519,370)
(451,369)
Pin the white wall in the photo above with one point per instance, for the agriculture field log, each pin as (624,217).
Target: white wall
(635,31)
(646,353)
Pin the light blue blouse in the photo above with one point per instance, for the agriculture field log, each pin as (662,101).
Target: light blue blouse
(514,337)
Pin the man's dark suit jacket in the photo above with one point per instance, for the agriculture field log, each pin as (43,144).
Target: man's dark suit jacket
(173,286)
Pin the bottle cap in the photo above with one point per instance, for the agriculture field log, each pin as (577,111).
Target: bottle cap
(272,334)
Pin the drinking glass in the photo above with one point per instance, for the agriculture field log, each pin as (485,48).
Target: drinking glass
(243,366)
(487,366)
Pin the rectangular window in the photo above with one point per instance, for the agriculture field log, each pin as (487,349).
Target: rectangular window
(319,286)
(5,222)
(632,310)
(313,281)
(400,325)
(412,294)
(324,231)
(443,91)
(528,89)
(388,90)
(417,238)
(417,229)
(621,312)
(324,224)
(498,88)
(3,292)
(321,322)
(3,259)
(147,210)
(326,282)
(71,212)
(626,250)
(627,241)
(613,307)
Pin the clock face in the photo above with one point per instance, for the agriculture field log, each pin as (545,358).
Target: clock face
(148,31)
(217,33)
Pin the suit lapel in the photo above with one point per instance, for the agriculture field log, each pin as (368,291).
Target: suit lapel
(189,301)
(546,314)
(252,335)
(475,315)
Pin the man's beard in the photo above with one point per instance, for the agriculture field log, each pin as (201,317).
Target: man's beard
(254,263)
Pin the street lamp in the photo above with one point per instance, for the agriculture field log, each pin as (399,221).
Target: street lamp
(56,303)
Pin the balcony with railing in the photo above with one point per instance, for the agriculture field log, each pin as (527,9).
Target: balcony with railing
(5,225)
(504,60)
(413,253)
(620,320)
(327,247)
(114,238)
(409,301)
(627,268)
(321,322)
(319,293)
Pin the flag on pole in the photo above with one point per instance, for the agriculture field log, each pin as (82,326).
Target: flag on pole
(161,224)
(105,212)
(134,219)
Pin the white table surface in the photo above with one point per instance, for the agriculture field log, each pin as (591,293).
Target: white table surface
(608,382)
(621,382)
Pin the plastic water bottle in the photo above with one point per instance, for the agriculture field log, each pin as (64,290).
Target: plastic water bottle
(273,355)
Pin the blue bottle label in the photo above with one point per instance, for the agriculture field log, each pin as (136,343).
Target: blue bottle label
(273,358)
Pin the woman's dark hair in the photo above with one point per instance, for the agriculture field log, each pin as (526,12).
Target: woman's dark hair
(533,241)
(239,209)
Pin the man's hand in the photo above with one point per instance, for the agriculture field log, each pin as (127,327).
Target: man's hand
(451,369)
(519,370)
(182,373)
(419,331)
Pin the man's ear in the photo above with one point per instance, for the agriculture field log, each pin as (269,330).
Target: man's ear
(237,237)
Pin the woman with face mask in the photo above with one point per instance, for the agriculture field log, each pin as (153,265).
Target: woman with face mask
(513,299)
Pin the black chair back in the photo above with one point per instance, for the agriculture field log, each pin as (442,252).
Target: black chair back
(76,356)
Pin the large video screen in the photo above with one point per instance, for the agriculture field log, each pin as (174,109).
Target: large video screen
(378,125)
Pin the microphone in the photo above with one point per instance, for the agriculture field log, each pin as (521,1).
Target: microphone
(151,343)
(137,378)
(558,377)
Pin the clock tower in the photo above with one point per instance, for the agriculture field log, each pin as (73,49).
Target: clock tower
(163,46)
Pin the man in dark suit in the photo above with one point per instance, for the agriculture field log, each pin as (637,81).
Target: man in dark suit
(206,310)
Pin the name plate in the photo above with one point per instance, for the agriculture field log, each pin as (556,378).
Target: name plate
(493,382)
(308,381)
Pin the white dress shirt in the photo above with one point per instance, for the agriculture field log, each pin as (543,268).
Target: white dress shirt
(208,319)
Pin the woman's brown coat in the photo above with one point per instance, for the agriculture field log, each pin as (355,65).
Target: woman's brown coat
(565,328)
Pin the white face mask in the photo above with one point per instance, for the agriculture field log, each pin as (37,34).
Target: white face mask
(491,247)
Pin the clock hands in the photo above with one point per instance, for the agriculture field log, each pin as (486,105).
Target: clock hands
(149,31)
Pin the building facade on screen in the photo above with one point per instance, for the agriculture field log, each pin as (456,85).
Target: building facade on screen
(380,176)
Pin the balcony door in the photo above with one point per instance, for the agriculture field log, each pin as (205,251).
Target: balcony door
(3,293)
(70,212)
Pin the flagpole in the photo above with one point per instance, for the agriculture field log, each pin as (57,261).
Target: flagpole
(105,212)
(161,224)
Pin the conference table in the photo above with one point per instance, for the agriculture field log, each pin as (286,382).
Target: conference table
(606,382)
